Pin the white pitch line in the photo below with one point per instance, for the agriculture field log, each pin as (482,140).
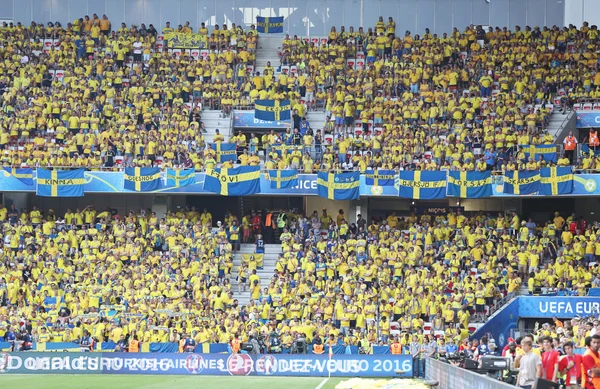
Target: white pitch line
(322,383)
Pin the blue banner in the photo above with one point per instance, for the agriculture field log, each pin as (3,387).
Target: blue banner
(239,181)
(247,119)
(470,185)
(269,25)
(142,179)
(556,180)
(340,186)
(521,182)
(207,364)
(557,306)
(283,178)
(25,175)
(224,151)
(539,151)
(587,119)
(180,177)
(60,183)
(272,110)
(423,185)
(380,177)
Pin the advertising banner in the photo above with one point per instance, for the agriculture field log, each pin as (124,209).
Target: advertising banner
(562,307)
(206,364)
(587,119)
(247,119)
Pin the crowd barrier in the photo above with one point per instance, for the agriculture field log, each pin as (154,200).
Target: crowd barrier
(452,377)
(207,364)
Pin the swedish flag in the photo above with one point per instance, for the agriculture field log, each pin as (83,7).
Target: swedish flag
(240,181)
(180,177)
(537,151)
(224,151)
(380,177)
(521,182)
(423,185)
(267,25)
(60,183)
(340,186)
(272,110)
(556,180)
(25,175)
(142,179)
(469,185)
(283,179)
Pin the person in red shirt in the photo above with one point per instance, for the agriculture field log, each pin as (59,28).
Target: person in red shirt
(549,359)
(570,366)
(591,363)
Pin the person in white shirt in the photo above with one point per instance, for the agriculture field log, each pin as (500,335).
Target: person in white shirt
(529,365)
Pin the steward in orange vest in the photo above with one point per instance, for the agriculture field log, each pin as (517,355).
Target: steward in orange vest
(590,370)
(396,347)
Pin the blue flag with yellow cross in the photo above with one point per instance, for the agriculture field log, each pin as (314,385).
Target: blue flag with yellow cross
(224,151)
(521,182)
(379,177)
(470,185)
(60,183)
(272,110)
(283,179)
(422,185)
(25,175)
(180,177)
(556,180)
(239,181)
(142,179)
(538,151)
(269,25)
(338,186)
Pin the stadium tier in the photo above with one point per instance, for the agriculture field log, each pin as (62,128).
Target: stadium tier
(463,115)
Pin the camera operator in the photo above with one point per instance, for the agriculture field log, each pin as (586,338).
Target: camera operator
(300,346)
(255,346)
(275,343)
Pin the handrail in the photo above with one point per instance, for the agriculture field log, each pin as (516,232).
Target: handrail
(563,124)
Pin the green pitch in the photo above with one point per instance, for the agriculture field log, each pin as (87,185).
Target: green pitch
(159,381)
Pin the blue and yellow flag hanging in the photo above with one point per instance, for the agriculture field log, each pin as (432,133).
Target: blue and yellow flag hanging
(25,175)
(60,183)
(142,179)
(422,185)
(180,177)
(522,182)
(240,181)
(268,25)
(585,149)
(283,179)
(556,180)
(537,151)
(340,186)
(272,110)
(224,151)
(380,177)
(469,185)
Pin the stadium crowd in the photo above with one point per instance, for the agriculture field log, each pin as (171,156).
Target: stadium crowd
(466,100)
(139,278)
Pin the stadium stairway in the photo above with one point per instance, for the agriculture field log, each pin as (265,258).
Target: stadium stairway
(316,119)
(272,251)
(268,51)
(213,120)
